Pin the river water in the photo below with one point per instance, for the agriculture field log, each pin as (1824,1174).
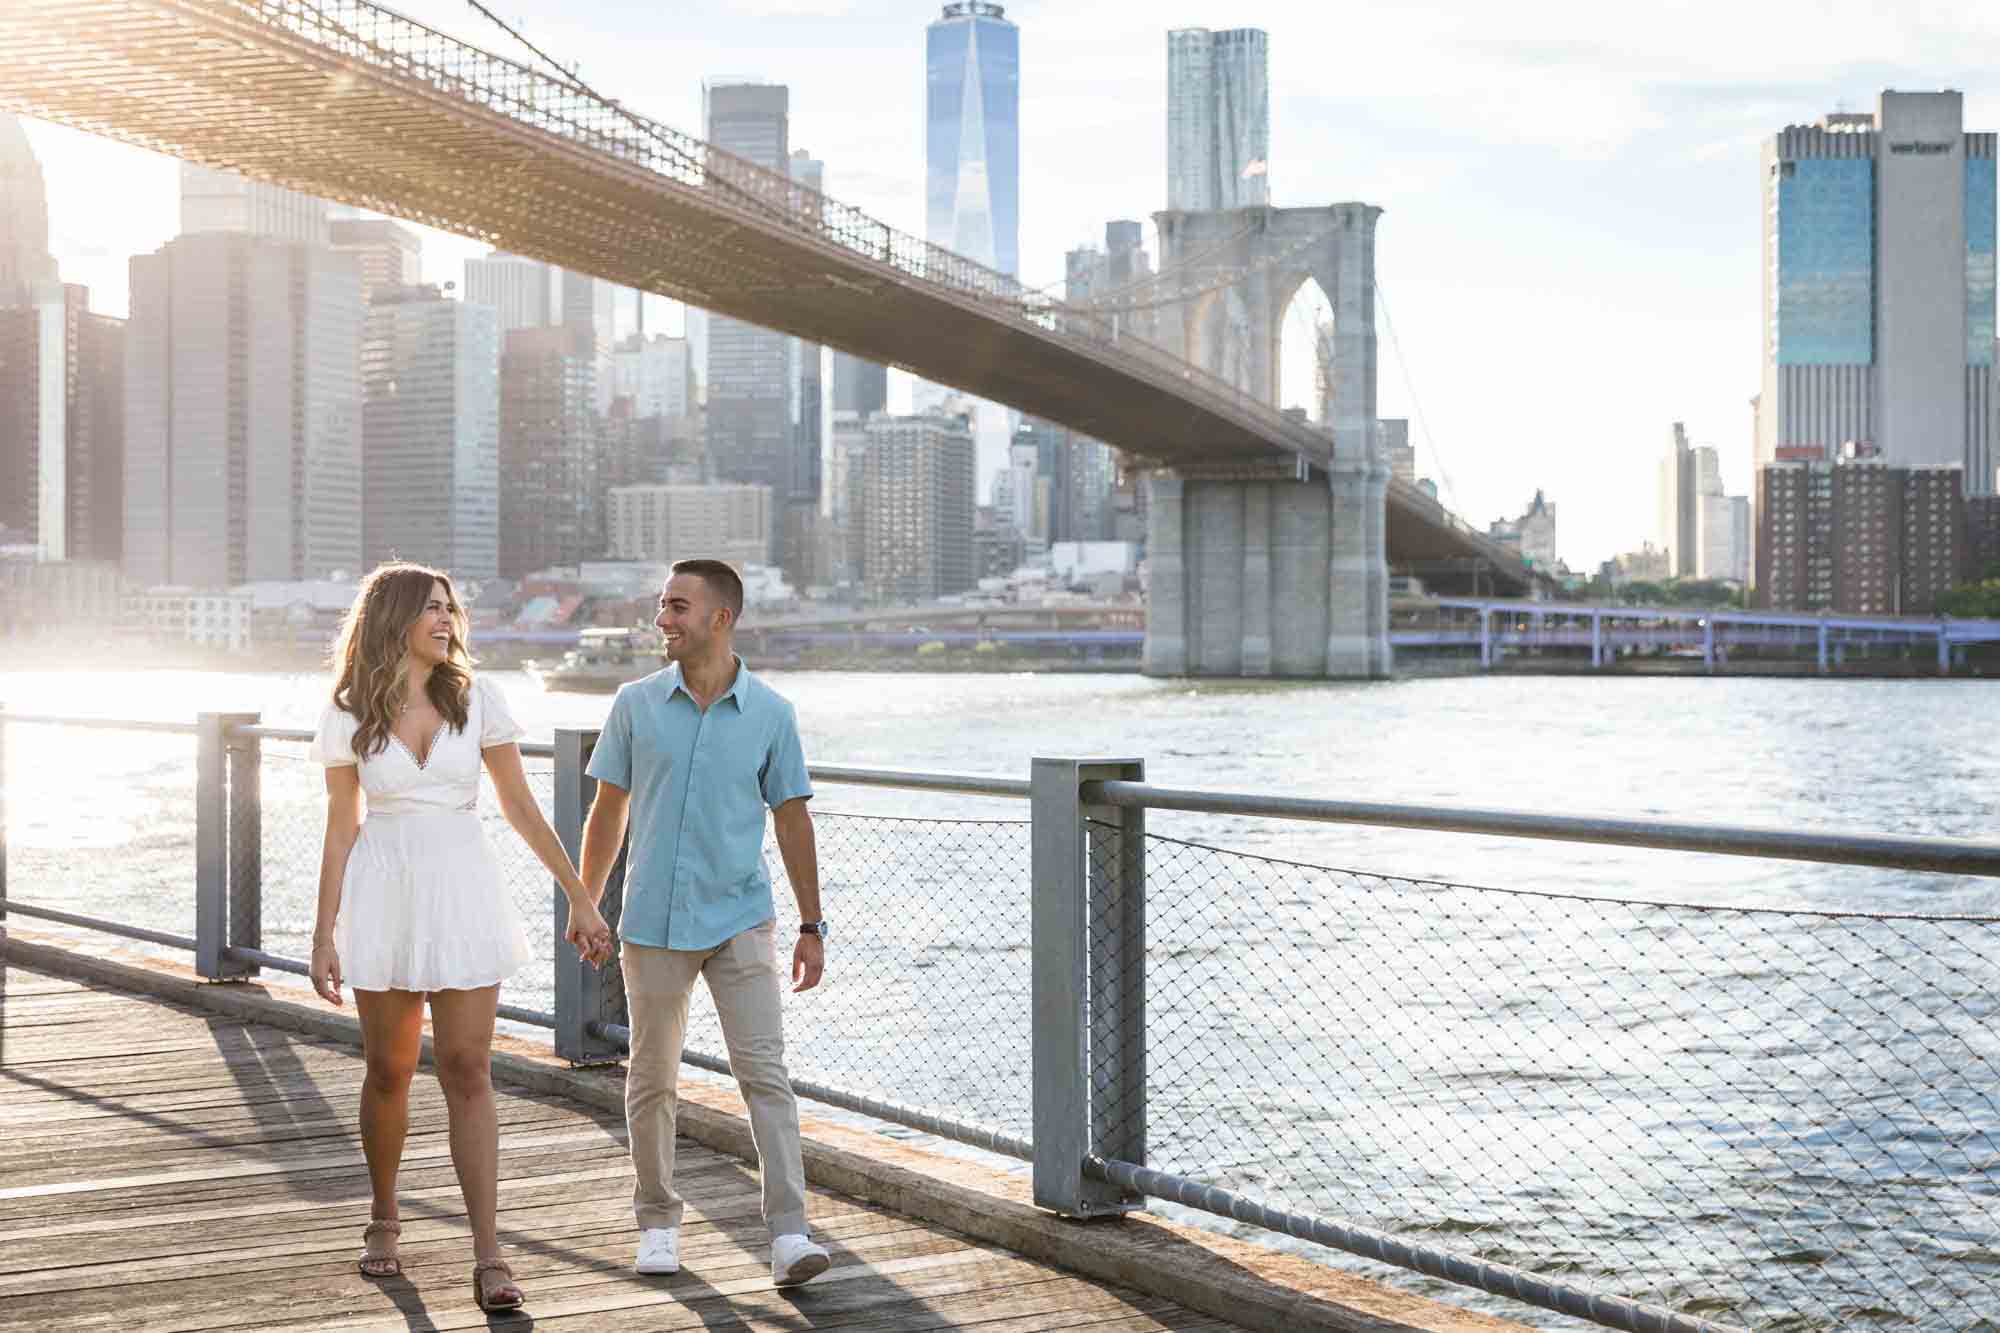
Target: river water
(1772,1100)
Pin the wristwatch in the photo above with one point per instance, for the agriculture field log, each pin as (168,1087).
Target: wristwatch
(814,928)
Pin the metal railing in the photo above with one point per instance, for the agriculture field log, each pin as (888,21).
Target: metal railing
(1641,1115)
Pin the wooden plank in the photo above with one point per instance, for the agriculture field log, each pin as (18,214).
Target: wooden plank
(175,1172)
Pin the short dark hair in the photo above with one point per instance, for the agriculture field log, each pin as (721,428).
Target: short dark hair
(723,581)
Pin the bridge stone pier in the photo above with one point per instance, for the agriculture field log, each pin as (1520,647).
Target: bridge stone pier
(1280,569)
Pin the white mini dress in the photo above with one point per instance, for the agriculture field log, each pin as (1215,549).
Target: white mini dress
(423,906)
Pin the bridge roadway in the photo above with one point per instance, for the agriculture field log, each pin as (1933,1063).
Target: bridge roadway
(349,101)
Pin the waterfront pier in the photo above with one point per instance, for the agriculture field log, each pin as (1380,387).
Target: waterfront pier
(1409,1102)
(180,1155)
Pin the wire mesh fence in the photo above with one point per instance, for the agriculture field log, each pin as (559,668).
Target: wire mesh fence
(102,823)
(294,820)
(927,994)
(1774,1119)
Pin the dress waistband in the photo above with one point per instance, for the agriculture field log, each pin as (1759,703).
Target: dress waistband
(421,809)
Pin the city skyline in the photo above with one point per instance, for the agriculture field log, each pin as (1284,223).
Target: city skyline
(1607,162)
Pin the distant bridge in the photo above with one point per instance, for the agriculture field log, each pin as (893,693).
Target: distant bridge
(349,101)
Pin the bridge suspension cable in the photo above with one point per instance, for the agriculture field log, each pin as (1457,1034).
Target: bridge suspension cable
(1416,404)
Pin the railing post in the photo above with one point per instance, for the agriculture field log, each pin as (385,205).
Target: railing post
(246,845)
(1089,951)
(212,846)
(585,995)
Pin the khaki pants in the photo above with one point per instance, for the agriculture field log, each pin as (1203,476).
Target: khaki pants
(742,975)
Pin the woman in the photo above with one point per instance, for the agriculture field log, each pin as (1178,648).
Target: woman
(411,901)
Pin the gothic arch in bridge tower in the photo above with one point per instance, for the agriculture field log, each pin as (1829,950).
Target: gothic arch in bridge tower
(1239,271)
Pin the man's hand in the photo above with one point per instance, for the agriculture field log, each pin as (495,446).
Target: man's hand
(808,962)
(588,932)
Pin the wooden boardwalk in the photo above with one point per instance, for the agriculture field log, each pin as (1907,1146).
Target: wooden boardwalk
(166,1168)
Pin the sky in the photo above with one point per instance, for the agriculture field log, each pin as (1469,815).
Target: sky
(1568,258)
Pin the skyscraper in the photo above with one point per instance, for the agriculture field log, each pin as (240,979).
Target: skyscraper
(223,201)
(750,372)
(1218,119)
(431,432)
(526,293)
(24,218)
(972,177)
(1879,290)
(549,486)
(390,254)
(242,412)
(972,170)
(62,425)
(861,387)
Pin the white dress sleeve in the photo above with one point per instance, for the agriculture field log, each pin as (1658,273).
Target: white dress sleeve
(333,742)
(496,721)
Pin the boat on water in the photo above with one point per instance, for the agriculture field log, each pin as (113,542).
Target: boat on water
(602,660)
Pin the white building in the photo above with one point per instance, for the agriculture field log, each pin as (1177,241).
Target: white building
(726,521)
(657,374)
(210,617)
(1218,119)
(1722,537)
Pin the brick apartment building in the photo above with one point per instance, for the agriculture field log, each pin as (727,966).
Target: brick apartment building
(1860,537)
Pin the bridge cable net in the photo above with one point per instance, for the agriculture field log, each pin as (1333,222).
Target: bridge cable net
(779,198)
(564,103)
(1768,1119)
(1416,404)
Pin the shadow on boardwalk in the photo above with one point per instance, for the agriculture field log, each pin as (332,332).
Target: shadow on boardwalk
(163,1168)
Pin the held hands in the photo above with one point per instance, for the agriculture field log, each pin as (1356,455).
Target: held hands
(808,962)
(326,973)
(588,932)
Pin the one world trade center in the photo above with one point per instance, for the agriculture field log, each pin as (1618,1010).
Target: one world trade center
(972,170)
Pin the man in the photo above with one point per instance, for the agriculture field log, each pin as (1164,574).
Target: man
(695,754)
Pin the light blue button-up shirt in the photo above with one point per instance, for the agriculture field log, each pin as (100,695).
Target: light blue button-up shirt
(700,783)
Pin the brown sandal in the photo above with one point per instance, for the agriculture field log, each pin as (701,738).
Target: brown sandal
(498,1300)
(381,1265)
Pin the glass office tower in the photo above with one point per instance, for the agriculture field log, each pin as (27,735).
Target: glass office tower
(972,177)
(1879,290)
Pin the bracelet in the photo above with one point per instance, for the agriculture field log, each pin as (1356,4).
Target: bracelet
(322,944)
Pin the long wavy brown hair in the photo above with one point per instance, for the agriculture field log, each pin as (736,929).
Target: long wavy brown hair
(371,656)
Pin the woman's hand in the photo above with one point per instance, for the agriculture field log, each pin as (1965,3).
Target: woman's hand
(588,932)
(326,973)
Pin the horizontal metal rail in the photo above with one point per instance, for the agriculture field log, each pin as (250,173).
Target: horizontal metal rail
(8,905)
(103,723)
(974,784)
(280,963)
(1499,1279)
(959,1131)
(970,784)
(304,735)
(1947,856)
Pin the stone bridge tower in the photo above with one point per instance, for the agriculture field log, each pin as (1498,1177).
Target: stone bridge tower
(1280,571)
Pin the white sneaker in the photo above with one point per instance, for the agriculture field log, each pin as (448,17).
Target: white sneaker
(659,1251)
(794,1259)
